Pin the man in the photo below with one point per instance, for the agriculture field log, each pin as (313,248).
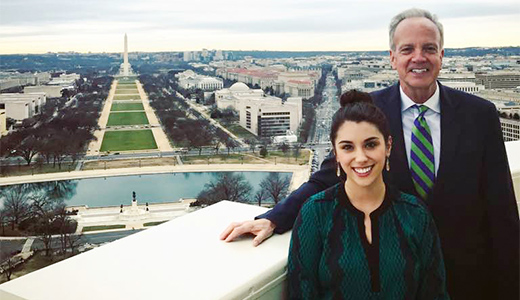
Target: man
(448,150)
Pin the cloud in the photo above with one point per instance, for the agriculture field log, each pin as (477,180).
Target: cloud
(196,21)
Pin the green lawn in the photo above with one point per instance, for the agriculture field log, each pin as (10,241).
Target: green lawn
(126,86)
(127,97)
(127,118)
(107,227)
(153,223)
(241,132)
(126,106)
(126,91)
(123,140)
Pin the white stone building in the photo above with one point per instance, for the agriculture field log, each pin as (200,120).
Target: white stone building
(190,80)
(50,91)
(264,116)
(22,106)
(510,128)
(468,87)
(3,121)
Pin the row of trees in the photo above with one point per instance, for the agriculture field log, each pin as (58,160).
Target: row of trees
(38,209)
(62,129)
(183,125)
(234,187)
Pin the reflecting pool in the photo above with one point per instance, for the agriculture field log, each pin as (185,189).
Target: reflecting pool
(113,191)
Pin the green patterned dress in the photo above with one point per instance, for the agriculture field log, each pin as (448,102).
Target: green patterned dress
(330,257)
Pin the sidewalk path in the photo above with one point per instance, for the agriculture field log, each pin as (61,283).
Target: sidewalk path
(27,246)
(211,120)
(158,133)
(95,145)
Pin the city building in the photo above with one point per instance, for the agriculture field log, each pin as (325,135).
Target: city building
(446,76)
(3,120)
(468,87)
(22,106)
(292,83)
(509,120)
(510,128)
(500,96)
(51,91)
(230,97)
(499,79)
(191,80)
(264,116)
(15,79)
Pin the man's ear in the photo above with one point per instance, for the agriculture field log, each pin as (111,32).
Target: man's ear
(392,59)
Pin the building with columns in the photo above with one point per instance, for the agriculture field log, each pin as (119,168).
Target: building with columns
(191,80)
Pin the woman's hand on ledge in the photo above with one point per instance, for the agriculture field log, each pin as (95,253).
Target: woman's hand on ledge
(261,228)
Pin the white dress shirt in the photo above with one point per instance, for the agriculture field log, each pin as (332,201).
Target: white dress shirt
(433,118)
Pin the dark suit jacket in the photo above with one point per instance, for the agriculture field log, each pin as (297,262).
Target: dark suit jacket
(472,202)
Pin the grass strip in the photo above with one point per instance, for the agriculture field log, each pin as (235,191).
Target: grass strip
(127,140)
(127,118)
(153,223)
(127,97)
(117,106)
(105,227)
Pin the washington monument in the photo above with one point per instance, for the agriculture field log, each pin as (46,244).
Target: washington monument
(125,66)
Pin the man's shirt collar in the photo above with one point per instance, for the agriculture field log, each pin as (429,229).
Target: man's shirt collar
(432,103)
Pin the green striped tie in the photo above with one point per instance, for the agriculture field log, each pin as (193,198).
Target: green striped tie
(422,164)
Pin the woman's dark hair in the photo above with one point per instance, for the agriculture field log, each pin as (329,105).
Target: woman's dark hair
(358,107)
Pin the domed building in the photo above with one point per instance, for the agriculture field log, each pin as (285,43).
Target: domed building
(191,80)
(262,115)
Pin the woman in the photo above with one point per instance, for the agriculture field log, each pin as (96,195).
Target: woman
(362,239)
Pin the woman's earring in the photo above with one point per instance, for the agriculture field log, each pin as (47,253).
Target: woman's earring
(338,171)
(388,164)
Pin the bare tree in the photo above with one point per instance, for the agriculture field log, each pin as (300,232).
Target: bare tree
(276,186)
(225,186)
(297,151)
(16,203)
(8,266)
(231,144)
(261,195)
(45,212)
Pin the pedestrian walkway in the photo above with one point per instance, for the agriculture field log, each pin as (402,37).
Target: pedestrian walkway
(27,246)
(212,121)
(95,144)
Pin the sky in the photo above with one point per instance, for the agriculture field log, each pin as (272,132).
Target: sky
(40,26)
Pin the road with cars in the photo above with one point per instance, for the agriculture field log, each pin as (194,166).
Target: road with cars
(320,142)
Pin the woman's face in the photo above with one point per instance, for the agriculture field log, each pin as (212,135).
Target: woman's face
(361,152)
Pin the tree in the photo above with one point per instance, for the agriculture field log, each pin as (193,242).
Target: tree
(231,144)
(67,228)
(16,203)
(9,266)
(285,148)
(260,196)
(276,186)
(296,151)
(45,212)
(252,144)
(225,186)
(263,151)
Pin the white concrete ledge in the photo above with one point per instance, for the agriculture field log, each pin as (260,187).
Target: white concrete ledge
(180,259)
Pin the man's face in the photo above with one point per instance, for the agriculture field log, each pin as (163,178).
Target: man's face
(417,57)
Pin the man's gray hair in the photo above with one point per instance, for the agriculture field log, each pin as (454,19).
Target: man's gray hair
(413,13)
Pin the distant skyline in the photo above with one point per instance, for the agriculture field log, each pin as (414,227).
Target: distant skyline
(40,26)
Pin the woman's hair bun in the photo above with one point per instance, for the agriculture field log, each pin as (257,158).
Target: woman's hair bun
(355,96)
